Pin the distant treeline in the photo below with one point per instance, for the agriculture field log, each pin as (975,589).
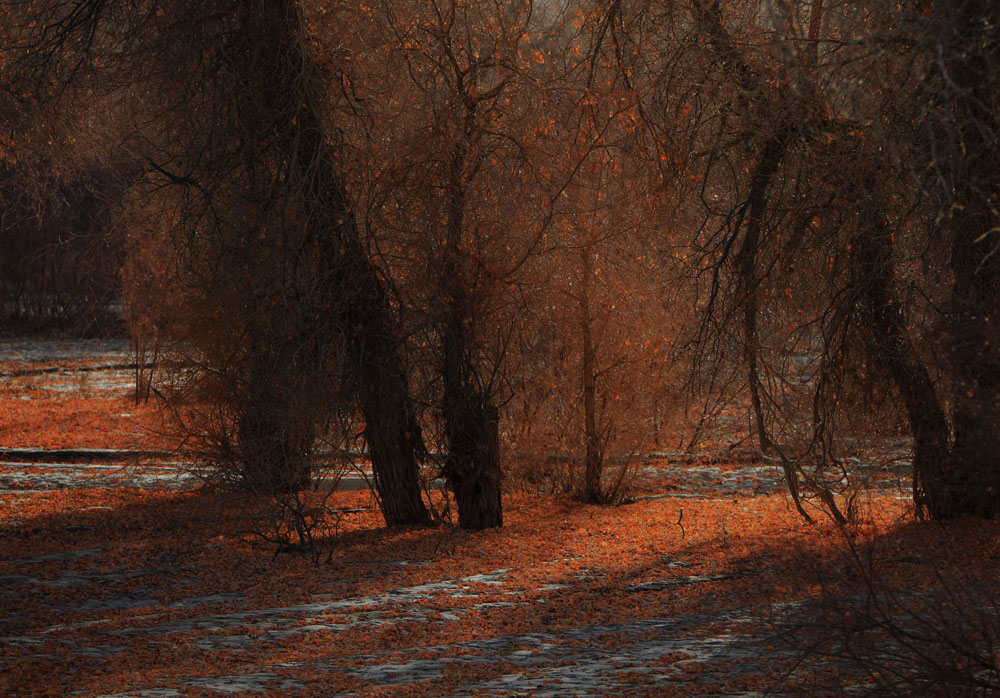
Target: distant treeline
(60,254)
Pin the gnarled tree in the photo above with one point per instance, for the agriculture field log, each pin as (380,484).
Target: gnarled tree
(262,290)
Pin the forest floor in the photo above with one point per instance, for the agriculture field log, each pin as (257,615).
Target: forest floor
(124,579)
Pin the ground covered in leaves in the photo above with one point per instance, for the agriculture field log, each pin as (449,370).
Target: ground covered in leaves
(137,593)
(126,592)
(127,580)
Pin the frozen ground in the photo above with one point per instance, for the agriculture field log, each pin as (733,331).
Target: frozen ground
(675,651)
(59,476)
(85,611)
(35,351)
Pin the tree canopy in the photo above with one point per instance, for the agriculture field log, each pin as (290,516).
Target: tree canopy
(465,236)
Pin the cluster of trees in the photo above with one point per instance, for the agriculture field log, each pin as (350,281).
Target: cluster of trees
(850,220)
(60,252)
(457,226)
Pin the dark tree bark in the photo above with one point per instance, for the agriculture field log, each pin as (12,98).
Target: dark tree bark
(356,294)
(970,51)
(391,429)
(472,466)
(882,323)
(275,440)
(593,457)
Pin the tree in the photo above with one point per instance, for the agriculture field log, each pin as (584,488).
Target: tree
(272,303)
(457,208)
(604,296)
(850,140)
(279,103)
(958,47)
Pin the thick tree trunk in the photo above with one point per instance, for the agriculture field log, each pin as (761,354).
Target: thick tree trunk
(473,463)
(472,467)
(882,314)
(971,126)
(355,294)
(975,368)
(947,482)
(391,428)
(275,442)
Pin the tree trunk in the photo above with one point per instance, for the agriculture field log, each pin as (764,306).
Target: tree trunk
(391,428)
(969,129)
(473,463)
(275,441)
(882,314)
(975,367)
(358,300)
(472,467)
(594,461)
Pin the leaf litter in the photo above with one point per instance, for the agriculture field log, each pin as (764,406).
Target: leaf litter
(124,586)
